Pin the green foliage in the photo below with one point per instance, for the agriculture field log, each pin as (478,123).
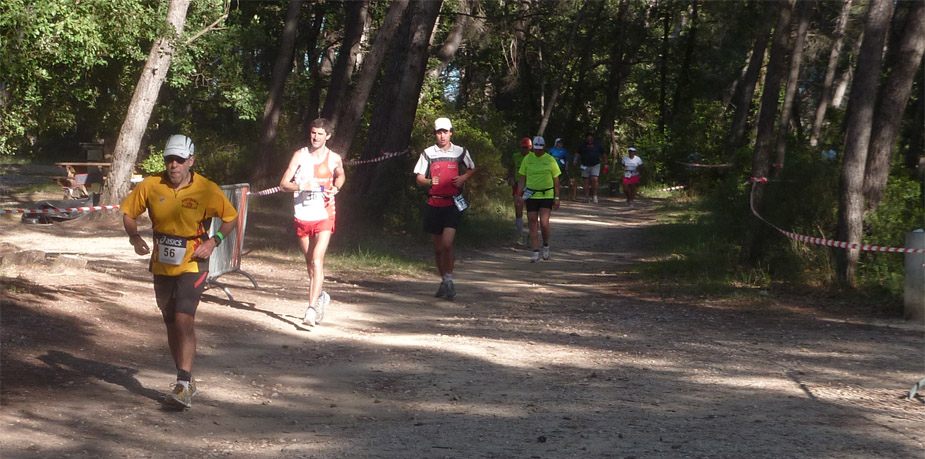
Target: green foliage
(901,210)
(153,163)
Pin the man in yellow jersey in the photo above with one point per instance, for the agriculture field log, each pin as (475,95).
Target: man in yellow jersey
(181,205)
(314,176)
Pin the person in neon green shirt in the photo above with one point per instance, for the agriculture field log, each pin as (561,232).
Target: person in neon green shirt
(539,190)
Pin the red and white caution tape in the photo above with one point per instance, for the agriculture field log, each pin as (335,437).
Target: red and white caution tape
(826,242)
(266,192)
(383,157)
(672,188)
(57,211)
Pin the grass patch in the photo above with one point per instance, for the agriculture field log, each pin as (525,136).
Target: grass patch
(376,262)
(693,256)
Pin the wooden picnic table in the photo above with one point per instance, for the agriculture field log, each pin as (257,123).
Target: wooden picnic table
(80,174)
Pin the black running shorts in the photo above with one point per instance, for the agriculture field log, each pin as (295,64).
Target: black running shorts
(437,218)
(179,293)
(534,205)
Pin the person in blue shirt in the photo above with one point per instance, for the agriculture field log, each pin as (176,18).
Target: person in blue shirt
(558,152)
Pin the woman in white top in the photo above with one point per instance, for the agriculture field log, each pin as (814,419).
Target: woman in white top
(631,165)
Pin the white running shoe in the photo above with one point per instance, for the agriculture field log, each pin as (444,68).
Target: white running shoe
(546,252)
(323,302)
(535,258)
(309,318)
(595,199)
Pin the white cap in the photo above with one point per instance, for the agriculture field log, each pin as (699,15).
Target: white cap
(443,123)
(632,149)
(538,143)
(179,145)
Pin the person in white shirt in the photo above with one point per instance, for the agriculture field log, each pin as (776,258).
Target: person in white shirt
(631,166)
(314,176)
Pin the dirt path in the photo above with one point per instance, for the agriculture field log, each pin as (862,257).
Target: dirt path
(573,357)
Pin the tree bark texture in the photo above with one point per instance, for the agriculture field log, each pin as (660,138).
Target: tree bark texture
(143,101)
(311,108)
(681,92)
(351,109)
(266,145)
(892,103)
(356,14)
(393,118)
(857,137)
(825,95)
(790,94)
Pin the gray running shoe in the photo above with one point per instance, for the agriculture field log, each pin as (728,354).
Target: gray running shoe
(535,258)
(545,253)
(441,292)
(450,290)
(323,302)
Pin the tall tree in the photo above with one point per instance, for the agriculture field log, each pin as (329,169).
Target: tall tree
(351,109)
(454,39)
(892,102)
(790,93)
(396,104)
(563,73)
(266,144)
(357,14)
(825,94)
(857,137)
(745,91)
(142,104)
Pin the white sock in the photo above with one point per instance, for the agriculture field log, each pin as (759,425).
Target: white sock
(448,277)
(183,383)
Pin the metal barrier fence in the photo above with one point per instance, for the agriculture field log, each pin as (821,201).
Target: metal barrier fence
(226,258)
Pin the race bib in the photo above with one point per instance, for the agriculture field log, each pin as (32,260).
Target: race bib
(460,202)
(629,174)
(527,193)
(170,249)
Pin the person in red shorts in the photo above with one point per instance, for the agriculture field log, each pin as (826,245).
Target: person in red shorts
(314,176)
(631,166)
(179,202)
(438,168)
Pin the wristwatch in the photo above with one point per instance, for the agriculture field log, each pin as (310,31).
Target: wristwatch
(217,240)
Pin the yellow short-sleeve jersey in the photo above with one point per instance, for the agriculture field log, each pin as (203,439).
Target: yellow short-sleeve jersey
(185,213)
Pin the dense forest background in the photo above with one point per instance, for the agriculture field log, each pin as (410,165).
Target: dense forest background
(824,98)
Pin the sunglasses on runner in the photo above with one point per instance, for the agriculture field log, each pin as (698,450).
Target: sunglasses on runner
(170,159)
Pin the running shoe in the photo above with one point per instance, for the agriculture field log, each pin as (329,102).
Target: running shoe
(441,292)
(595,199)
(181,397)
(323,302)
(535,258)
(546,252)
(310,316)
(450,290)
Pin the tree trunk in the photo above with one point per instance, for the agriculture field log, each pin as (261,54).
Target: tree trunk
(742,98)
(857,137)
(892,103)
(916,152)
(681,92)
(356,14)
(825,95)
(616,74)
(266,145)
(118,182)
(663,69)
(796,59)
(838,96)
(393,118)
(767,115)
(351,110)
(311,107)
(771,92)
